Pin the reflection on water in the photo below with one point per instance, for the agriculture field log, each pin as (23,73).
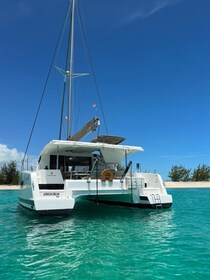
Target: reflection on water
(103,241)
(95,236)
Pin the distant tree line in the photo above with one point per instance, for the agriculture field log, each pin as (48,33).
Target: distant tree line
(9,175)
(180,173)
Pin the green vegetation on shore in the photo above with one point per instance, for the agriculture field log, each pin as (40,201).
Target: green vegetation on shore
(9,175)
(180,173)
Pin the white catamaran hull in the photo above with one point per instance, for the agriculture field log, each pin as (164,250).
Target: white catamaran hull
(45,191)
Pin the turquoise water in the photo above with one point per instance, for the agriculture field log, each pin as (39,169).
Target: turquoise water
(108,242)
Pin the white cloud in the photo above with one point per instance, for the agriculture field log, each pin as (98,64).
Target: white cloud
(12,154)
(186,156)
(148,8)
(7,154)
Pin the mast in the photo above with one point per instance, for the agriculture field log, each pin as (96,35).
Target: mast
(71,66)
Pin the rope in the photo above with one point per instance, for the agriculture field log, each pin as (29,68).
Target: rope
(97,181)
(131,185)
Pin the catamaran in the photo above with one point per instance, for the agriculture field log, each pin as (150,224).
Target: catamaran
(71,169)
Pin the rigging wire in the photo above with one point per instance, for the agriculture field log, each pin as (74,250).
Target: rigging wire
(64,87)
(46,82)
(91,66)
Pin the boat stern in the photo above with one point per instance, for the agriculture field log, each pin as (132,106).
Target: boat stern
(44,192)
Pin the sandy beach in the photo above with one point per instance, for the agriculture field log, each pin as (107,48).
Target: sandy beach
(179,185)
(168,185)
(8,187)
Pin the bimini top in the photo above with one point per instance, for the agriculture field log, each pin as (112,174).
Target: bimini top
(111,153)
(108,139)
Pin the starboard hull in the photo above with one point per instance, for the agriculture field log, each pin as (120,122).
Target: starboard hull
(125,200)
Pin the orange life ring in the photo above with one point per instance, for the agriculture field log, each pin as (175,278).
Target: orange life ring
(107,174)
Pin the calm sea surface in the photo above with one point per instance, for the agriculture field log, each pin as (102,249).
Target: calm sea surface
(108,242)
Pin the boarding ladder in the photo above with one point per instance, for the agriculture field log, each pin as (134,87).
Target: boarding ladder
(157,201)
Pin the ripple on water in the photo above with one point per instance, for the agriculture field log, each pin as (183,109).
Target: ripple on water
(100,241)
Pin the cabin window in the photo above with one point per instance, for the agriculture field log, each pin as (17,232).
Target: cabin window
(53,162)
(71,163)
(79,164)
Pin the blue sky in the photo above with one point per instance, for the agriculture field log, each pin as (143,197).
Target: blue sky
(151,60)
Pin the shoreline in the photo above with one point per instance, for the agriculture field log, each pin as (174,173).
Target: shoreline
(186,185)
(168,185)
(9,187)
